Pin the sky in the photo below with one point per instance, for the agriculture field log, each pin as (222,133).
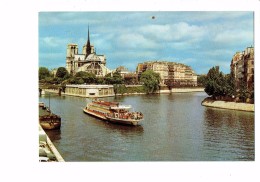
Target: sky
(200,39)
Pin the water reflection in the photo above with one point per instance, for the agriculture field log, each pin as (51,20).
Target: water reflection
(54,135)
(124,129)
(228,135)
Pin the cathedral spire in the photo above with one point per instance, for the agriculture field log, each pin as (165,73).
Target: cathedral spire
(88,47)
(88,35)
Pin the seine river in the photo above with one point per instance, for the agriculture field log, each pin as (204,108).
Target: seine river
(176,128)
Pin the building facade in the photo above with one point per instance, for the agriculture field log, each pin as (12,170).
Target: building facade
(90,90)
(88,61)
(242,68)
(129,77)
(171,73)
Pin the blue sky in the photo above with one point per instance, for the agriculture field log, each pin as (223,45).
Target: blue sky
(198,39)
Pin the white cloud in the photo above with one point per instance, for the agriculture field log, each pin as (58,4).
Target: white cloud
(174,32)
(53,41)
(233,36)
(218,52)
(135,41)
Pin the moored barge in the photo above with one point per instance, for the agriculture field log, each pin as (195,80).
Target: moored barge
(48,120)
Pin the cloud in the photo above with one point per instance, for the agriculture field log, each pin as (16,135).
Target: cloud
(134,41)
(51,41)
(173,32)
(233,36)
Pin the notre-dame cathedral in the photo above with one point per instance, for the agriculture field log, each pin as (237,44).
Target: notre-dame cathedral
(88,61)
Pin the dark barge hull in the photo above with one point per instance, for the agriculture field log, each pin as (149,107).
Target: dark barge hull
(47,120)
(50,125)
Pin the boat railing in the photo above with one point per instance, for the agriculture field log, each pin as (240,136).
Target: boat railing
(121,107)
(126,115)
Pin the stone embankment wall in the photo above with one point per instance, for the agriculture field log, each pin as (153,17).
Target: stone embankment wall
(187,90)
(181,90)
(228,105)
(55,91)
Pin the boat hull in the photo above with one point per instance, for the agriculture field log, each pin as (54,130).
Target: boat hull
(50,125)
(123,121)
(50,122)
(112,120)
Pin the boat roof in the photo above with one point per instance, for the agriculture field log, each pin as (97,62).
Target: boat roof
(122,107)
(106,103)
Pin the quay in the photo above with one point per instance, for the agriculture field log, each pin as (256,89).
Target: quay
(181,90)
(47,150)
(228,105)
(92,91)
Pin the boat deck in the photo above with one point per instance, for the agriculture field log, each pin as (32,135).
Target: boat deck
(43,112)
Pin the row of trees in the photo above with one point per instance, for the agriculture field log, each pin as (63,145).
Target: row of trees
(149,79)
(63,77)
(224,87)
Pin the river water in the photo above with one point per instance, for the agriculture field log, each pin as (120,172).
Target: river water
(176,128)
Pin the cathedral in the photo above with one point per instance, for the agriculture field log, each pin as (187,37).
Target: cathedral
(88,61)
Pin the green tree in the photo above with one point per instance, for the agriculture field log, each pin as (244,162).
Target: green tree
(62,73)
(113,78)
(230,85)
(151,81)
(100,80)
(243,91)
(86,77)
(43,73)
(215,83)
(202,80)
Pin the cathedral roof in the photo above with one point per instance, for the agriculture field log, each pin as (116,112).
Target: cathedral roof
(93,58)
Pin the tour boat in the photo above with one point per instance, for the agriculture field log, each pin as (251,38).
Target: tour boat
(113,112)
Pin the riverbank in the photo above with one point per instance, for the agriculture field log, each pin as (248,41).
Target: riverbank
(208,102)
(181,90)
(125,90)
(47,149)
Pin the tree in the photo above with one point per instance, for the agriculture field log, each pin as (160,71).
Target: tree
(202,80)
(243,91)
(113,78)
(43,73)
(230,85)
(215,83)
(62,73)
(86,77)
(151,81)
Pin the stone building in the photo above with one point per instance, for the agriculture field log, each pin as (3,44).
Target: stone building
(129,77)
(88,61)
(242,67)
(90,90)
(171,73)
